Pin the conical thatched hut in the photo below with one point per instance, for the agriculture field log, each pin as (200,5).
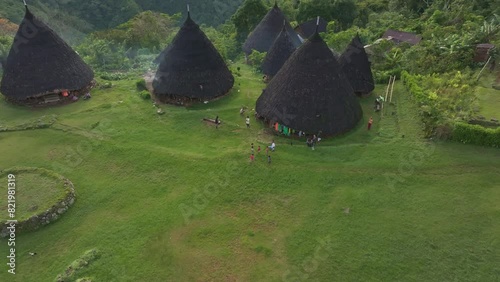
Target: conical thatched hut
(280,51)
(310,93)
(263,36)
(308,28)
(357,68)
(191,69)
(41,67)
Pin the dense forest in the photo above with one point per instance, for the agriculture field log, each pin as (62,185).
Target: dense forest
(119,35)
(449,28)
(123,37)
(102,14)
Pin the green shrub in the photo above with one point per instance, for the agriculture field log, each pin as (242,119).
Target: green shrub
(141,84)
(256,58)
(105,85)
(77,265)
(476,134)
(145,95)
(113,76)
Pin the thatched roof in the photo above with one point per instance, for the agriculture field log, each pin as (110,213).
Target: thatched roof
(482,53)
(280,51)
(310,93)
(191,67)
(307,29)
(357,68)
(263,36)
(39,62)
(402,36)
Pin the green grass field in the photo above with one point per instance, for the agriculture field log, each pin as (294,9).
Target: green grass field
(488,97)
(36,192)
(171,198)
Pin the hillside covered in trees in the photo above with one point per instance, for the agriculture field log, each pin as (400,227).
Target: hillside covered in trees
(102,14)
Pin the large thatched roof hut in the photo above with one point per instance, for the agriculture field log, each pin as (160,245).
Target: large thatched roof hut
(191,69)
(263,36)
(357,68)
(280,51)
(41,66)
(310,93)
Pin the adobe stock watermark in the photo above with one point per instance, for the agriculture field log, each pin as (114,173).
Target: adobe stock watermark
(285,115)
(350,53)
(219,7)
(76,154)
(202,197)
(31,28)
(11,223)
(408,162)
(311,263)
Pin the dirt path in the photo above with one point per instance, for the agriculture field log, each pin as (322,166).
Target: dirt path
(148,77)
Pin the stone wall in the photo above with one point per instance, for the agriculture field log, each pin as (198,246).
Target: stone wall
(46,217)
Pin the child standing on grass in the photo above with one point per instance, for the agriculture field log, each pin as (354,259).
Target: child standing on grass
(252,157)
(247,121)
(370,122)
(252,148)
(269,159)
(258,149)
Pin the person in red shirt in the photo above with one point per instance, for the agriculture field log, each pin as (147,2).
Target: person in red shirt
(370,122)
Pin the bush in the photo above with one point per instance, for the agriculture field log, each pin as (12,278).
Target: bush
(256,58)
(412,85)
(145,95)
(78,265)
(106,85)
(113,76)
(476,134)
(141,85)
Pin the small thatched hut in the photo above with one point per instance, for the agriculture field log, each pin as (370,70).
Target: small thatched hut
(357,68)
(310,93)
(280,51)
(402,36)
(41,67)
(482,53)
(263,36)
(191,69)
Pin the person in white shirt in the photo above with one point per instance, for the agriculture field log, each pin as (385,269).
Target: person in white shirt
(273,146)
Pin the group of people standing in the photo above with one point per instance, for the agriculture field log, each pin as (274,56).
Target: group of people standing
(268,148)
(311,141)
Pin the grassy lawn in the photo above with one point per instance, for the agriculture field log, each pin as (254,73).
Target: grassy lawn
(488,98)
(171,198)
(35,192)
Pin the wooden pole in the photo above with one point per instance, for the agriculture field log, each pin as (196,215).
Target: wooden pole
(392,88)
(388,87)
(479,75)
(386,93)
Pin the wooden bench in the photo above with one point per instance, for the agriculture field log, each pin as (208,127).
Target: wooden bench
(51,98)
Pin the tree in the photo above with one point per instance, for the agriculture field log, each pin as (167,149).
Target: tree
(150,30)
(223,40)
(342,11)
(103,55)
(247,17)
(256,58)
(5,43)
